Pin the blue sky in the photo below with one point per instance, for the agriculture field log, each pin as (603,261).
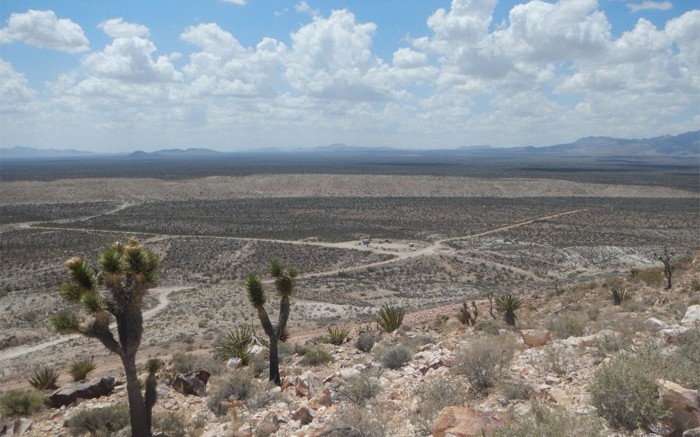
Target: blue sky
(239,75)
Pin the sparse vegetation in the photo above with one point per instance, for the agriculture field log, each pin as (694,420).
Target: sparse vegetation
(315,357)
(21,403)
(99,421)
(44,379)
(434,395)
(390,317)
(239,386)
(338,334)
(484,361)
(618,295)
(395,357)
(365,342)
(360,389)
(545,422)
(80,369)
(623,390)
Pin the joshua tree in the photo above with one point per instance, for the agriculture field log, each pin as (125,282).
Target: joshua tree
(125,272)
(284,283)
(665,258)
(508,305)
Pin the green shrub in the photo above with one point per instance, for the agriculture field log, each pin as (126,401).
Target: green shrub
(80,369)
(434,395)
(365,342)
(516,391)
(484,361)
(396,357)
(99,421)
(390,318)
(315,357)
(21,403)
(44,379)
(556,358)
(695,285)
(360,389)
(557,422)
(683,364)
(338,334)
(236,344)
(364,422)
(623,390)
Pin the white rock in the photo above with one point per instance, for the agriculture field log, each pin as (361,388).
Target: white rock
(655,324)
(692,317)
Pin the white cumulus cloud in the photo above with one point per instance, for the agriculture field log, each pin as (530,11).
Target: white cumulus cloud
(44,29)
(118,28)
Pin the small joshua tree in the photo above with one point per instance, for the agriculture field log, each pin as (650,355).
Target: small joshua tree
(508,305)
(467,317)
(284,283)
(125,272)
(665,258)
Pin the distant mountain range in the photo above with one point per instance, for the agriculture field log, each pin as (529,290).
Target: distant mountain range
(683,145)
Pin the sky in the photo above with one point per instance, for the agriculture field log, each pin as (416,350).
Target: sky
(235,75)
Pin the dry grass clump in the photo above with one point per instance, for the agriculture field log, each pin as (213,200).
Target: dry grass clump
(556,422)
(434,395)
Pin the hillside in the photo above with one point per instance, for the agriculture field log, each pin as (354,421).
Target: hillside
(570,352)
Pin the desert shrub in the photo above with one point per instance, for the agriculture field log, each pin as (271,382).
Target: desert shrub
(568,325)
(395,357)
(695,285)
(237,387)
(21,403)
(338,334)
(434,395)
(360,389)
(315,357)
(365,422)
(543,422)
(484,361)
(44,379)
(187,362)
(390,318)
(259,365)
(236,344)
(653,277)
(263,394)
(623,390)
(684,362)
(99,421)
(365,342)
(557,358)
(171,424)
(489,326)
(516,391)
(80,369)
(612,343)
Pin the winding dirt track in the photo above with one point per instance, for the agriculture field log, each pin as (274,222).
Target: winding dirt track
(164,292)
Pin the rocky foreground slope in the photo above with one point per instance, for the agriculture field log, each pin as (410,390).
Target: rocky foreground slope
(575,364)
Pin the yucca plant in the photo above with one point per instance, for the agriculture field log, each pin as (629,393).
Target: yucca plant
(390,318)
(44,379)
(80,369)
(338,334)
(236,344)
(619,295)
(508,305)
(285,279)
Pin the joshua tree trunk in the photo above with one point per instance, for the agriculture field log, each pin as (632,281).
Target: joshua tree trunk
(137,407)
(509,318)
(274,362)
